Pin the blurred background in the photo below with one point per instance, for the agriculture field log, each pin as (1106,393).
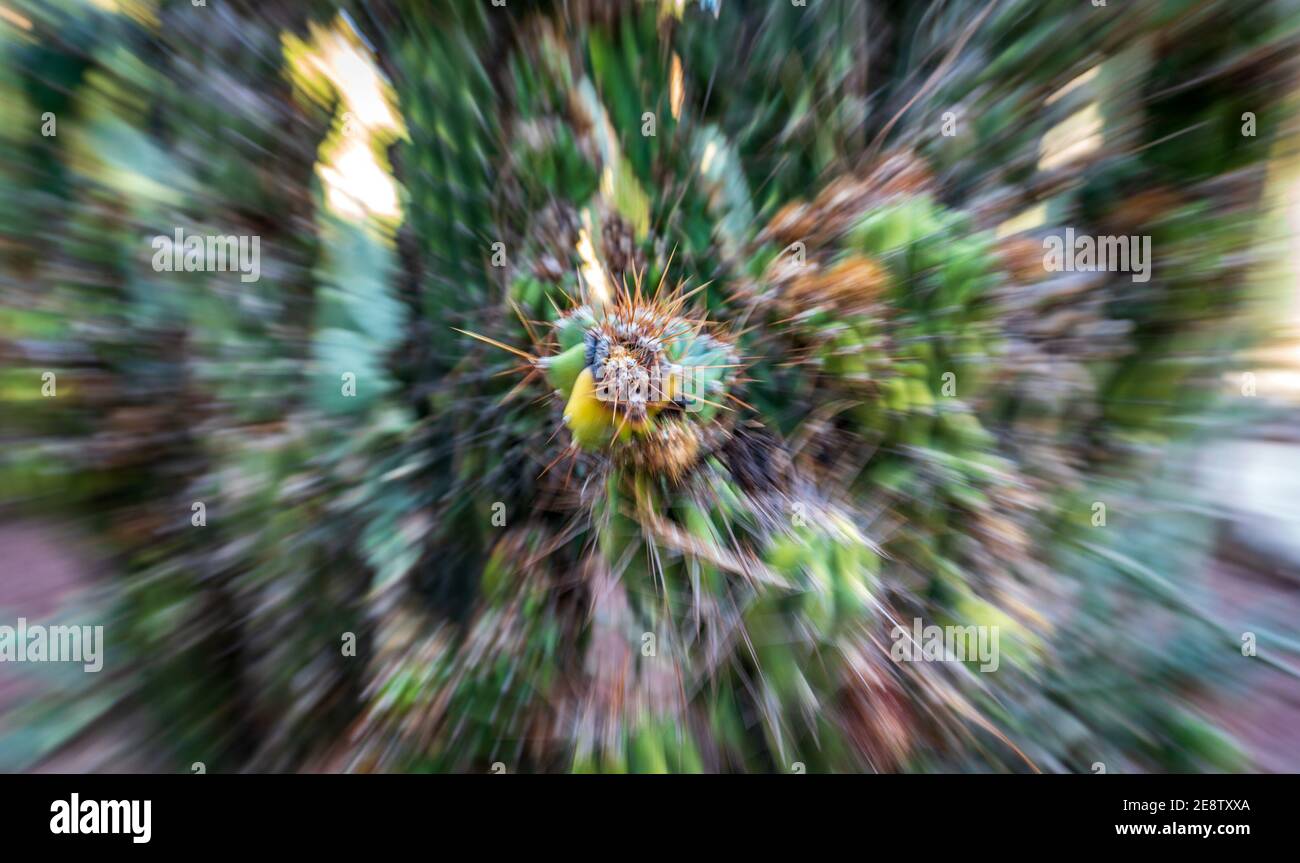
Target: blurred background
(338,509)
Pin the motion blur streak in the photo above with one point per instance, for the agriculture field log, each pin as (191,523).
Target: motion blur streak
(659,386)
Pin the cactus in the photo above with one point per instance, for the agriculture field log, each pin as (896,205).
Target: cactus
(699,367)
